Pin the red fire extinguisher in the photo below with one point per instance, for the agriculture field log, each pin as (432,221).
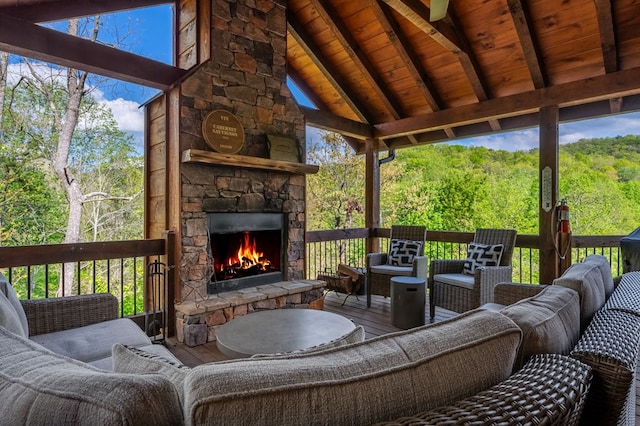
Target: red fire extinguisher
(563,217)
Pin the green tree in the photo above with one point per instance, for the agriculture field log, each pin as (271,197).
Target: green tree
(335,195)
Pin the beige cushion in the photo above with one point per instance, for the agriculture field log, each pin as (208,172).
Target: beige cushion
(8,317)
(39,387)
(461,280)
(550,322)
(605,270)
(127,359)
(377,380)
(92,343)
(392,270)
(586,279)
(13,312)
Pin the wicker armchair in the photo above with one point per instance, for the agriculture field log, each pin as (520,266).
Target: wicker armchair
(63,313)
(456,291)
(380,270)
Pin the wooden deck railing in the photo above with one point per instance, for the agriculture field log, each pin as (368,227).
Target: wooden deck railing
(120,267)
(126,269)
(327,249)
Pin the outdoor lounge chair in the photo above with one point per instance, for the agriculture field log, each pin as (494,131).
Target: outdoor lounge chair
(405,258)
(462,285)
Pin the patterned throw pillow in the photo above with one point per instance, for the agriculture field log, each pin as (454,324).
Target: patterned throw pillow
(402,252)
(482,255)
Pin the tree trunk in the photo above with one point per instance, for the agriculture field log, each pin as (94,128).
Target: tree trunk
(75,86)
(4,65)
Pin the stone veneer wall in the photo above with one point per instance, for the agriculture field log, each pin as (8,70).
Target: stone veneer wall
(247,77)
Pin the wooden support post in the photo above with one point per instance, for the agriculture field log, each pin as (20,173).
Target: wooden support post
(548,178)
(173,182)
(372,194)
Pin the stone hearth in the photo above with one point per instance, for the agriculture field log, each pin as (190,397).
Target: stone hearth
(197,322)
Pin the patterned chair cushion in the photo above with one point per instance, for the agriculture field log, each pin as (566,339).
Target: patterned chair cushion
(482,255)
(402,252)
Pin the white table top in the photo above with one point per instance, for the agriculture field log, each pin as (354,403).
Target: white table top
(280,330)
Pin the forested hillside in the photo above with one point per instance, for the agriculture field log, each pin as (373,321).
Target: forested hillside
(449,187)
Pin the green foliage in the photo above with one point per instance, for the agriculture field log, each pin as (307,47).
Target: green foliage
(33,206)
(457,188)
(335,193)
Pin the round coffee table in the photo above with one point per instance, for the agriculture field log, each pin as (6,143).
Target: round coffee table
(280,330)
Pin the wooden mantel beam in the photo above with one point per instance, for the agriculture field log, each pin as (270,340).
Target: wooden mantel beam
(618,84)
(33,41)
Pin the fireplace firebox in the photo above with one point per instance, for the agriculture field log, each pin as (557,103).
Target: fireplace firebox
(245,250)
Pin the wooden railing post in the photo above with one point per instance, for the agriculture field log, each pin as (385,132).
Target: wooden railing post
(172,285)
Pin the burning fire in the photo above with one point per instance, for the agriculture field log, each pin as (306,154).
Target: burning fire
(248,256)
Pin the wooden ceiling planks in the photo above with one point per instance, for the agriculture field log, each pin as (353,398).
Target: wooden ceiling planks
(488,50)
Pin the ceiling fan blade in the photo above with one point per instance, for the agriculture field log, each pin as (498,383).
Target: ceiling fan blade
(438,9)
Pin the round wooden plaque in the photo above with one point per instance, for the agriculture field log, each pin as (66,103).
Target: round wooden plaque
(223,132)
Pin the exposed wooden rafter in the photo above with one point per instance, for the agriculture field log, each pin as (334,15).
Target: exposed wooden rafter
(451,39)
(530,51)
(297,31)
(26,39)
(607,35)
(360,60)
(400,44)
(608,43)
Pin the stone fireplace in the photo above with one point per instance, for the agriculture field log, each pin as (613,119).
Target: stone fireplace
(246,77)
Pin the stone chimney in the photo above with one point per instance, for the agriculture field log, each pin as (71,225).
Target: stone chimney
(246,76)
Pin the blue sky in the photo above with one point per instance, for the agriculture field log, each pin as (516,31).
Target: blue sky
(148,32)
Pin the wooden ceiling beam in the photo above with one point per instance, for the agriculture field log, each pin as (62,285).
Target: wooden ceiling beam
(530,51)
(605,87)
(572,113)
(358,57)
(399,42)
(333,123)
(608,43)
(607,35)
(26,39)
(297,31)
(55,10)
(449,38)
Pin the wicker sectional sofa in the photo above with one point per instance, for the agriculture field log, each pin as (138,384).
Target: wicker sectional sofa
(481,367)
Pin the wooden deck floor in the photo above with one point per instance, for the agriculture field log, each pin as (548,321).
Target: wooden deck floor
(376,320)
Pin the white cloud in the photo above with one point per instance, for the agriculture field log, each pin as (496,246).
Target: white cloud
(128,114)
